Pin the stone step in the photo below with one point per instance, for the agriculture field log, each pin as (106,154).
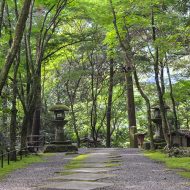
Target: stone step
(75,185)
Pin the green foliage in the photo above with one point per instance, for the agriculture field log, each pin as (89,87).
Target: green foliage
(78,51)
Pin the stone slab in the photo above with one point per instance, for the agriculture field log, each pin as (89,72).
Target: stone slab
(92,165)
(82,177)
(75,185)
(90,170)
(102,154)
(94,161)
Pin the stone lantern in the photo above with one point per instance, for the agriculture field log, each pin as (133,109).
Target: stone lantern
(60,143)
(59,120)
(158,121)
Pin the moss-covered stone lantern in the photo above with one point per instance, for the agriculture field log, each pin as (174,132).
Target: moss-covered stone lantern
(157,119)
(59,111)
(60,144)
(59,120)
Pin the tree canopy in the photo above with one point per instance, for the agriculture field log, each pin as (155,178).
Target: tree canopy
(109,61)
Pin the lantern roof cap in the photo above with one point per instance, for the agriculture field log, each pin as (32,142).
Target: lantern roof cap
(59,107)
(156,107)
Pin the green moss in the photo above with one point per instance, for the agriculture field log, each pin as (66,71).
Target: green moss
(76,162)
(112,165)
(20,164)
(72,166)
(57,107)
(81,157)
(173,163)
(66,173)
(184,174)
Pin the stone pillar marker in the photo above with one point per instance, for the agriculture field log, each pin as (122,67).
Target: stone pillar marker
(60,143)
(140,139)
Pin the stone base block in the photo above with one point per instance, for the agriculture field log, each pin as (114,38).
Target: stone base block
(60,148)
(67,142)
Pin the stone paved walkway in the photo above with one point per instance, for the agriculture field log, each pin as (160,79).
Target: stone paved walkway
(103,169)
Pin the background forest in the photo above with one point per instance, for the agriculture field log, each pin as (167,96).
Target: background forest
(109,61)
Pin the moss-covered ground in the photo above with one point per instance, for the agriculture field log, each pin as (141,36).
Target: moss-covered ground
(182,163)
(76,162)
(7,169)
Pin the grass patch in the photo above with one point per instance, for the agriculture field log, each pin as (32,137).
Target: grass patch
(20,164)
(184,174)
(173,163)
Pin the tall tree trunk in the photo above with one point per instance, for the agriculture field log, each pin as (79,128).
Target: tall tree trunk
(165,126)
(13,123)
(4,109)
(131,108)
(93,112)
(162,81)
(176,125)
(187,123)
(72,97)
(30,122)
(20,26)
(25,125)
(125,45)
(1,15)
(93,119)
(75,125)
(109,107)
(148,107)
(36,124)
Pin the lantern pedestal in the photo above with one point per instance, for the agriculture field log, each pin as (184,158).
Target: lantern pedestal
(60,144)
(61,147)
(59,130)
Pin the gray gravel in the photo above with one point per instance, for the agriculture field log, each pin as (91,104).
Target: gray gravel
(140,173)
(36,174)
(135,173)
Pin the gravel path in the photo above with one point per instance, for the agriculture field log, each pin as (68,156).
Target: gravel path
(135,173)
(140,173)
(36,174)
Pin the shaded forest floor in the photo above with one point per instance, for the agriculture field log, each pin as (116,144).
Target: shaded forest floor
(100,169)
